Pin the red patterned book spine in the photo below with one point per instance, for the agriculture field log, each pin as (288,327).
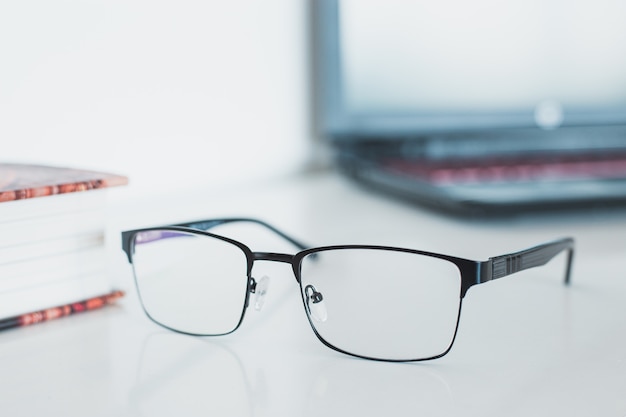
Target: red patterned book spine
(60,311)
(20,182)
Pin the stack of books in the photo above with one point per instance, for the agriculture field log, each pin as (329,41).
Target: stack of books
(52,242)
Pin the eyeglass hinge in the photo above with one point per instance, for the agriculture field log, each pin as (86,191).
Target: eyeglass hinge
(505,265)
(484,272)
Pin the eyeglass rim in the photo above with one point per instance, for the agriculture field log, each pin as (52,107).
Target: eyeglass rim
(382,359)
(472,272)
(469,269)
(463,265)
(459,263)
(128,242)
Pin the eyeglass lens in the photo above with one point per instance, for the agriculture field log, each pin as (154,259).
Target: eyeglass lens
(375,303)
(190,283)
(382,304)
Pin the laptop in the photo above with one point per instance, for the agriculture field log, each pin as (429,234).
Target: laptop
(476,107)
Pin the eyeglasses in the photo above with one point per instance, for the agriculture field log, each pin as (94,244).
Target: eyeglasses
(374,302)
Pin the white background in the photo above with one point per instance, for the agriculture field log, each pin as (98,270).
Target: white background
(174,94)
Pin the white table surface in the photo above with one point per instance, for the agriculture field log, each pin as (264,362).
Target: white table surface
(527,345)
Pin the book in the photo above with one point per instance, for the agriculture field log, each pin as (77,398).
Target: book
(21,181)
(59,311)
(52,236)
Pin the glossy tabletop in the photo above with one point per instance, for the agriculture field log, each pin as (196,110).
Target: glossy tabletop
(526,345)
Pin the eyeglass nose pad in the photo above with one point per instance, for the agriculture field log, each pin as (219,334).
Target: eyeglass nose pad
(260,289)
(315,304)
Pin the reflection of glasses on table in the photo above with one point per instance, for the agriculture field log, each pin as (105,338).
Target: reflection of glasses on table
(374,302)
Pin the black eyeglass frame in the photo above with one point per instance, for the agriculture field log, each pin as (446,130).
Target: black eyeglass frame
(472,272)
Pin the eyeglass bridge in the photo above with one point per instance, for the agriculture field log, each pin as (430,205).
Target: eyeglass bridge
(275,257)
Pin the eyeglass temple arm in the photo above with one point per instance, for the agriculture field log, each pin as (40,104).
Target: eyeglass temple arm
(208,224)
(504,265)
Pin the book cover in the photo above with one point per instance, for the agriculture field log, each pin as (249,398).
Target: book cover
(59,311)
(22,181)
(52,249)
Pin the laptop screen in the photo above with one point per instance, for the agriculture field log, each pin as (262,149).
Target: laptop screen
(403,66)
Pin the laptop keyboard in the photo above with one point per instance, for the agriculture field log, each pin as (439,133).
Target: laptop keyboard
(562,168)
(528,180)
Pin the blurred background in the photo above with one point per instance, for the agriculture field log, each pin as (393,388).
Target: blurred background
(174,95)
(188,94)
